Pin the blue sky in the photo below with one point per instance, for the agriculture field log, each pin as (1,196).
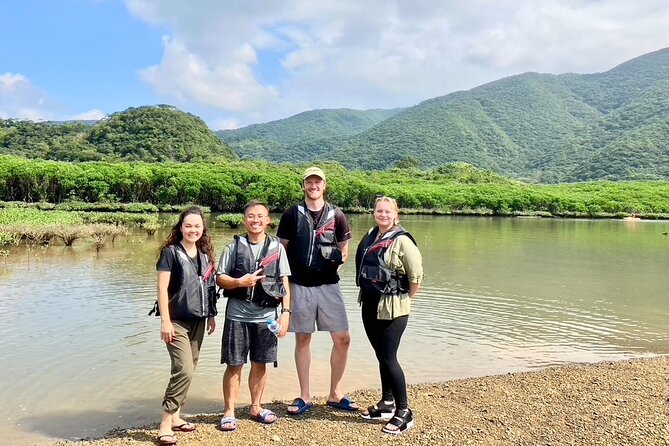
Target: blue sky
(235,63)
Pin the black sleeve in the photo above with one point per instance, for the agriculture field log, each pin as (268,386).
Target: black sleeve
(166,260)
(342,227)
(287,225)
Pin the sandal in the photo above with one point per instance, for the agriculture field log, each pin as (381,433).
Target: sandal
(167,440)
(185,427)
(346,403)
(228,424)
(401,422)
(265,416)
(379,411)
(300,405)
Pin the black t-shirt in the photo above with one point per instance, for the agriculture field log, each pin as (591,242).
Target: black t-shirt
(168,262)
(287,230)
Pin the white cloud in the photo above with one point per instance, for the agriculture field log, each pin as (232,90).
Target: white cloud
(20,99)
(90,115)
(260,60)
(10,82)
(226,124)
(187,76)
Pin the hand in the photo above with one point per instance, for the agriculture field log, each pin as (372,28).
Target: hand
(211,325)
(166,331)
(283,320)
(249,280)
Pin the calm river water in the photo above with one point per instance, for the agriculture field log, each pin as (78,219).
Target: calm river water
(80,355)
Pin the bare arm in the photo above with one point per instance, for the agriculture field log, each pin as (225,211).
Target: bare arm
(285,317)
(413,289)
(166,327)
(343,246)
(211,325)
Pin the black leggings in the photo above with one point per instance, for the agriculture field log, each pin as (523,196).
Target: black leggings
(385,339)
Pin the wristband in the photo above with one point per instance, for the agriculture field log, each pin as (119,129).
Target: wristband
(286,310)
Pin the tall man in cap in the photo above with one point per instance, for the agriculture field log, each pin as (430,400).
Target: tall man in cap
(315,234)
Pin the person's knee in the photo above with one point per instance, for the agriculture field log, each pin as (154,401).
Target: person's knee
(342,339)
(258,367)
(390,359)
(184,372)
(233,371)
(302,340)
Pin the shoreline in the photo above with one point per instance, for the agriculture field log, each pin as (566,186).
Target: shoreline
(605,403)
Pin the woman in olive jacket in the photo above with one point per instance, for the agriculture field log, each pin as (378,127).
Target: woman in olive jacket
(389,272)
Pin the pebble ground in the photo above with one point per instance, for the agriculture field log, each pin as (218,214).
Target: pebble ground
(612,403)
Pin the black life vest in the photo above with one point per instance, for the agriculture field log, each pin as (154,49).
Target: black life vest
(371,274)
(268,291)
(195,296)
(315,245)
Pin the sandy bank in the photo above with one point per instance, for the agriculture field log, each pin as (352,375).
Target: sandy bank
(620,403)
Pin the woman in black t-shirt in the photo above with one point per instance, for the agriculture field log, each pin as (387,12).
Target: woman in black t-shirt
(187,306)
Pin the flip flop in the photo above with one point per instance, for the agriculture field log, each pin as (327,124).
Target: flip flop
(263,417)
(228,420)
(345,403)
(163,442)
(186,427)
(301,405)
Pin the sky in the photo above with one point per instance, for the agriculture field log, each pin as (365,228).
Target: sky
(240,62)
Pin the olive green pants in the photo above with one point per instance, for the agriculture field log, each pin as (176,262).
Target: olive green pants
(184,352)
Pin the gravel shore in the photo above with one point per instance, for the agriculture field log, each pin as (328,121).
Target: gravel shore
(611,403)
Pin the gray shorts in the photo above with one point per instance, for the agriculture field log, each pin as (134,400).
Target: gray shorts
(240,338)
(317,306)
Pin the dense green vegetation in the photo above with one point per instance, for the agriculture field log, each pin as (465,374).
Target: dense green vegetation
(227,186)
(101,207)
(152,133)
(39,227)
(535,127)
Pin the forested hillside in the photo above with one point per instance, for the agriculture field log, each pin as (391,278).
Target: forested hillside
(533,127)
(536,127)
(150,133)
(307,135)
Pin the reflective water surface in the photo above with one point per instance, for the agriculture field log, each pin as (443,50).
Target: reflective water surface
(80,355)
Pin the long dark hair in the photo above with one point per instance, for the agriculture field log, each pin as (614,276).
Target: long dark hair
(204,242)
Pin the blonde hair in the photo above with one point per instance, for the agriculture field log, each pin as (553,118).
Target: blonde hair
(394,205)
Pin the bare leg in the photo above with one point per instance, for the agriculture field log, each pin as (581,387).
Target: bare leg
(232,379)
(166,424)
(176,418)
(257,381)
(303,365)
(341,342)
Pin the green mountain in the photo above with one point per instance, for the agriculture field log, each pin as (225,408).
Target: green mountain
(304,136)
(535,127)
(149,133)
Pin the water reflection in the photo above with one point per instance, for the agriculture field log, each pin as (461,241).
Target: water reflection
(80,355)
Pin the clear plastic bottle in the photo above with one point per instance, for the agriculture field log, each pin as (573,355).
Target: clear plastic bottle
(274,326)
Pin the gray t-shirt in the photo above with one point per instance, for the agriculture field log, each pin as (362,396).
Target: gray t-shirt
(239,309)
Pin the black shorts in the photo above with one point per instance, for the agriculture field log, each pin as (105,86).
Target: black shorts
(240,338)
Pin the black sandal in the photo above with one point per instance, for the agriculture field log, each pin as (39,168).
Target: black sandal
(403,421)
(379,411)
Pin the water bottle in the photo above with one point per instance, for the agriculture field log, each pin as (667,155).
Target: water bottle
(274,326)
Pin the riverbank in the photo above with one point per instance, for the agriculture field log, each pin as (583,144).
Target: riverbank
(607,403)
